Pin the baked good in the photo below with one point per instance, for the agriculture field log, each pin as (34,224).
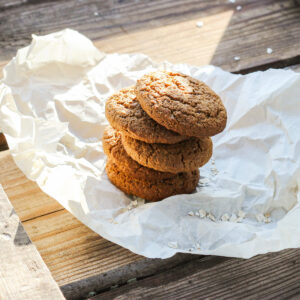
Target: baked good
(181,103)
(185,156)
(124,113)
(151,190)
(113,148)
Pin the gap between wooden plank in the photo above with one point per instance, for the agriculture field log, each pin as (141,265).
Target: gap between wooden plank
(81,261)
(182,56)
(289,63)
(270,276)
(43,215)
(121,276)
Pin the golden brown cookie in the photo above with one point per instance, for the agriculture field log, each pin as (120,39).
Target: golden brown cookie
(181,103)
(151,190)
(113,148)
(124,113)
(185,156)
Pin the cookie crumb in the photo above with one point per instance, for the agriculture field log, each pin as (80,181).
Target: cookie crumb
(199,24)
(233,218)
(260,217)
(225,218)
(132,204)
(267,218)
(211,217)
(191,213)
(202,213)
(197,214)
(241,214)
(204,181)
(214,171)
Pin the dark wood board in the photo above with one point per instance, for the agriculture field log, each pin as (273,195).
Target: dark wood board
(270,276)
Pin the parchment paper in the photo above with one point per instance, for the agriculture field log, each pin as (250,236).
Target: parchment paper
(52,102)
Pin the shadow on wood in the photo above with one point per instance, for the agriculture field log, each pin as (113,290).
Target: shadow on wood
(271,276)
(252,36)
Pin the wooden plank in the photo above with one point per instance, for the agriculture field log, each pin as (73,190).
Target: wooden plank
(221,38)
(27,198)
(68,247)
(271,276)
(23,274)
(167,29)
(79,259)
(96,19)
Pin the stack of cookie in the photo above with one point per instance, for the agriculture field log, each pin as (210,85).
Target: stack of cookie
(160,134)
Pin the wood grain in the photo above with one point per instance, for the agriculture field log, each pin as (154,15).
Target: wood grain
(79,259)
(27,198)
(23,274)
(223,36)
(271,276)
(167,29)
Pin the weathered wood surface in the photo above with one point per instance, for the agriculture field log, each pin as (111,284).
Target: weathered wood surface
(27,198)
(79,259)
(23,274)
(165,29)
(271,276)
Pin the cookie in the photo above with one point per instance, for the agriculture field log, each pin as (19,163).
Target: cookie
(113,148)
(181,103)
(151,190)
(181,157)
(124,113)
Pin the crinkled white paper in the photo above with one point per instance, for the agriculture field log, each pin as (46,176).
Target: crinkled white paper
(52,102)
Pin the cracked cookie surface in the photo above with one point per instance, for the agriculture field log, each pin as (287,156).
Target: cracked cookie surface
(185,156)
(181,103)
(152,190)
(113,148)
(125,113)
